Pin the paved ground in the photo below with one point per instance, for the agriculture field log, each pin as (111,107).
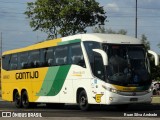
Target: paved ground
(72,112)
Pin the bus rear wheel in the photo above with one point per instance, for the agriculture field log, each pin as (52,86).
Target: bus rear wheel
(25,101)
(83,101)
(17,100)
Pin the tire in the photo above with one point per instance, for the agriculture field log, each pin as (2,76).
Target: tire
(83,101)
(25,101)
(17,100)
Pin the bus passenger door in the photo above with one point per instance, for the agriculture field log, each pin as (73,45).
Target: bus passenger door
(99,79)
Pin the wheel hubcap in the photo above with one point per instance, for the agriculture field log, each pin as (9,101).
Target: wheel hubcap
(25,101)
(83,100)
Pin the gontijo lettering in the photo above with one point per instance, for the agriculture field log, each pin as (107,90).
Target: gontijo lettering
(27,75)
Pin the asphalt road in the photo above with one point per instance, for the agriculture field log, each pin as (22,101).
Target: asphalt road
(69,112)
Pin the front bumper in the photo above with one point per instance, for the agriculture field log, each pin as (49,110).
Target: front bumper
(113,98)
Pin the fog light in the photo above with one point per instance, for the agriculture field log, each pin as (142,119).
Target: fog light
(111,98)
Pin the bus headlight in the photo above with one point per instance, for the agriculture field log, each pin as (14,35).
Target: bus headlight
(149,90)
(113,90)
(110,89)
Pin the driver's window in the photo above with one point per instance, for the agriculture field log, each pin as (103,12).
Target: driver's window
(98,66)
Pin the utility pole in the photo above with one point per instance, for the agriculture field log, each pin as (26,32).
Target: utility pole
(136,22)
(1,45)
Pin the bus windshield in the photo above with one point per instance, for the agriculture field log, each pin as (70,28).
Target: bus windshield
(128,65)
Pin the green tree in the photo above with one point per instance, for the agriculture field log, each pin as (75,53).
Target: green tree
(155,71)
(101,29)
(145,41)
(159,45)
(64,17)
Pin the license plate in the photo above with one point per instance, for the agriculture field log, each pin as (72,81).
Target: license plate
(133,99)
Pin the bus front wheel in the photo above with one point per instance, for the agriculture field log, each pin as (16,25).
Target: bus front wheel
(83,101)
(17,100)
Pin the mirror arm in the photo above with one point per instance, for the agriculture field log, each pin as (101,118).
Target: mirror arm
(155,57)
(104,56)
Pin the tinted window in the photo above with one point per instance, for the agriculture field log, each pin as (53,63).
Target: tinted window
(61,55)
(5,62)
(13,62)
(77,55)
(89,46)
(34,59)
(23,60)
(98,66)
(49,57)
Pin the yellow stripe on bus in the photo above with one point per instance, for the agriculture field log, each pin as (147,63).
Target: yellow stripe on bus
(44,44)
(125,89)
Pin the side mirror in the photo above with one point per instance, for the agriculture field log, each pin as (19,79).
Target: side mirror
(156,58)
(103,54)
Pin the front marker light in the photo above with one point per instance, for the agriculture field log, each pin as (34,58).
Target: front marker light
(149,90)
(111,98)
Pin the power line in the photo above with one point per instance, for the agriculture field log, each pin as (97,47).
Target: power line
(135,7)
(149,26)
(132,7)
(119,15)
(13,2)
(132,16)
(11,12)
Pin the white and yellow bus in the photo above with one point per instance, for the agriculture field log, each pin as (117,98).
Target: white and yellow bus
(85,69)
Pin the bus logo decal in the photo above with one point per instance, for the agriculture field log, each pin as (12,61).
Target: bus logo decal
(98,97)
(27,75)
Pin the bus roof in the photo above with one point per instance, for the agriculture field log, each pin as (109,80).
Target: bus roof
(105,38)
(97,37)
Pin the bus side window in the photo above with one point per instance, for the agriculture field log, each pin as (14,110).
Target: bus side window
(34,59)
(61,55)
(98,66)
(23,60)
(5,62)
(77,57)
(13,62)
(89,46)
(49,57)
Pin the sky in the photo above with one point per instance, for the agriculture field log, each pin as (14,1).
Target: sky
(17,33)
